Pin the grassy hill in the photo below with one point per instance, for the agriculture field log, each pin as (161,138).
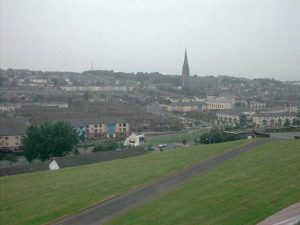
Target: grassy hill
(40,197)
(171,138)
(242,191)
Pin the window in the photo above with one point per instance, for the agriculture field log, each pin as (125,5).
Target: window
(95,125)
(124,124)
(17,137)
(6,138)
(124,129)
(17,143)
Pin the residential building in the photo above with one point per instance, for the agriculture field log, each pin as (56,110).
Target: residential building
(12,131)
(95,128)
(292,108)
(231,118)
(182,107)
(257,106)
(45,104)
(273,119)
(9,107)
(240,105)
(107,88)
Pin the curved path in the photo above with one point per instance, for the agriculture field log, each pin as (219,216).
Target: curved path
(287,216)
(107,210)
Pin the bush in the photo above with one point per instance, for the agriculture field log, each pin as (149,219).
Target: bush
(108,145)
(76,151)
(12,158)
(98,148)
(150,148)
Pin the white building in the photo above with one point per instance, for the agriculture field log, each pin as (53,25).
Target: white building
(273,119)
(231,118)
(295,108)
(215,103)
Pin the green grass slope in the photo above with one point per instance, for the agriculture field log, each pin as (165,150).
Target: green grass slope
(177,137)
(36,198)
(242,191)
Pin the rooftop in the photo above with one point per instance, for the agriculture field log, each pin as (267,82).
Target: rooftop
(231,112)
(100,120)
(12,126)
(274,114)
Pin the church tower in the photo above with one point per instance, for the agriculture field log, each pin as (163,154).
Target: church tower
(185,72)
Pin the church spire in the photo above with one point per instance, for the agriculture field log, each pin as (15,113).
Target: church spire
(185,59)
(185,71)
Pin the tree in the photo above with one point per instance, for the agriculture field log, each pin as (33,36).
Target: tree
(296,122)
(287,123)
(49,140)
(184,141)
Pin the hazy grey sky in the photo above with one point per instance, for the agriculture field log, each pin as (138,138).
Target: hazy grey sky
(248,38)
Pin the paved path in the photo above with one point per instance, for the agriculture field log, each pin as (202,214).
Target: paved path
(287,216)
(105,211)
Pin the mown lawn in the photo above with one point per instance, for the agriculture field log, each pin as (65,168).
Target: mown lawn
(172,138)
(40,197)
(242,191)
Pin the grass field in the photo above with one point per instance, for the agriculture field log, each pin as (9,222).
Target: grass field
(240,192)
(172,138)
(40,197)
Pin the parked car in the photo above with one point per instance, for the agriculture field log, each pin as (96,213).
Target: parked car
(162,145)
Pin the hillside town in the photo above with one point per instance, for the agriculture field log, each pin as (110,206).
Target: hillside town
(149,112)
(106,104)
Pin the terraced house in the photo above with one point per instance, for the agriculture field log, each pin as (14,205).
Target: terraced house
(256,106)
(11,133)
(273,119)
(231,118)
(182,107)
(96,128)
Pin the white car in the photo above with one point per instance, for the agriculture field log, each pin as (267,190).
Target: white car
(162,145)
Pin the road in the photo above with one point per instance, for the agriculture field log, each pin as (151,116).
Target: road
(105,211)
(285,135)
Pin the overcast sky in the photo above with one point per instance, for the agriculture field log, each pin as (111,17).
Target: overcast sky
(243,38)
